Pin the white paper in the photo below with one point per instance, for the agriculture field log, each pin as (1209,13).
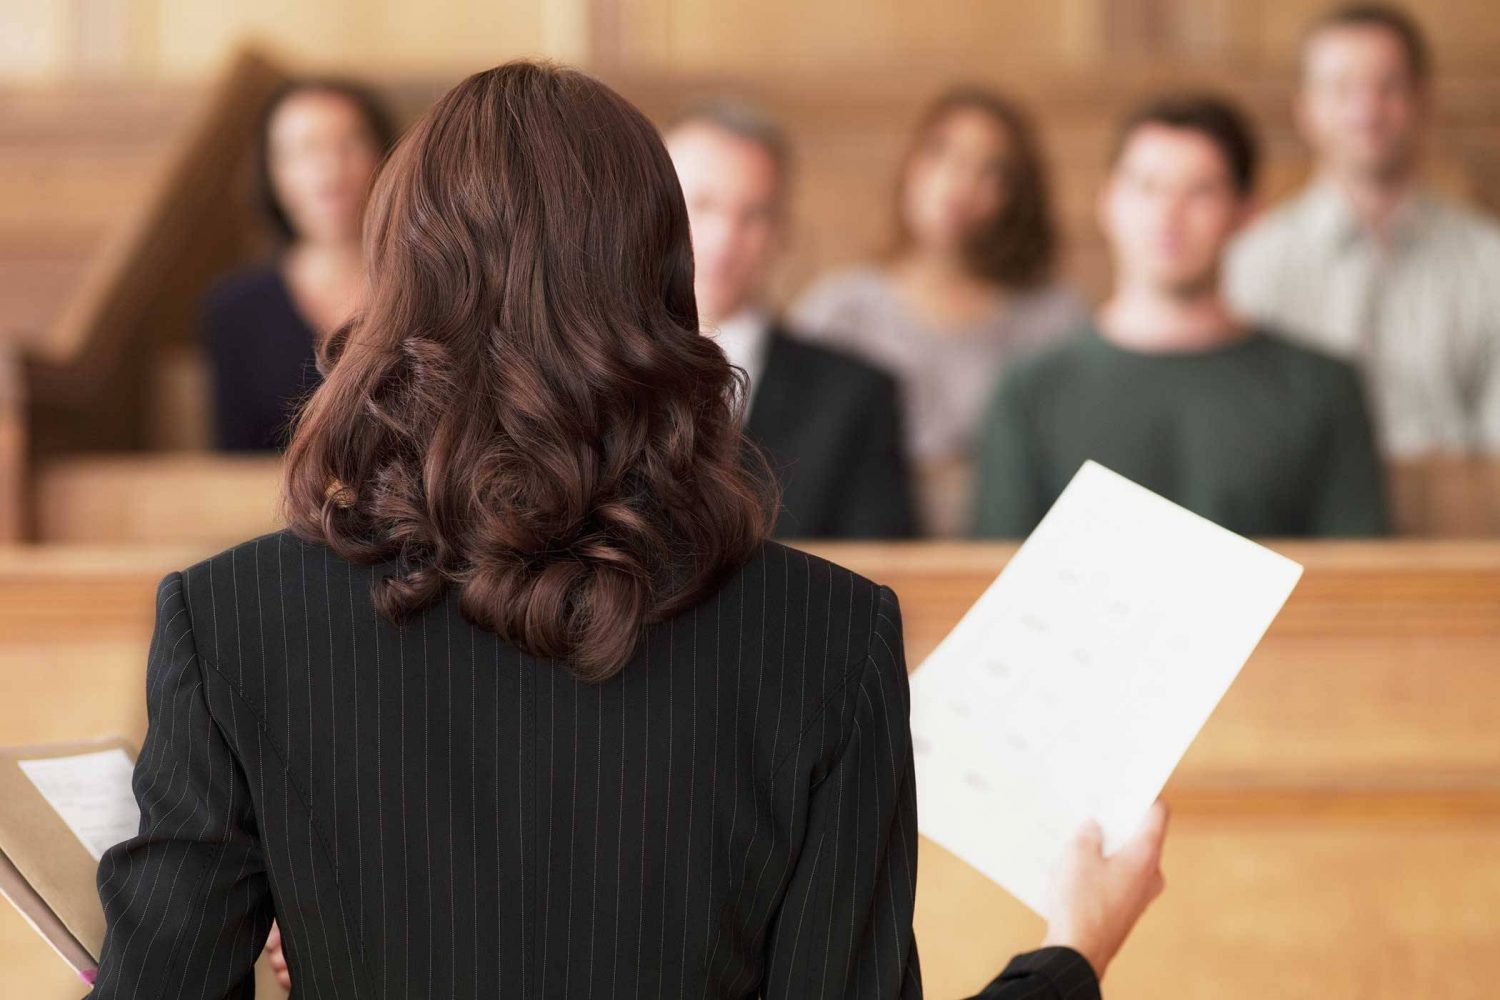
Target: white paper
(1074,685)
(92,794)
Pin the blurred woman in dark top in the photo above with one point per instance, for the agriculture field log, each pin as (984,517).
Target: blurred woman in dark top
(320,142)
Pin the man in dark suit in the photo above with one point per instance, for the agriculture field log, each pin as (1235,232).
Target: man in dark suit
(830,424)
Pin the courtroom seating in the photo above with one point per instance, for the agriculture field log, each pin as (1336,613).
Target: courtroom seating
(117,369)
(120,208)
(193,497)
(74,161)
(176,498)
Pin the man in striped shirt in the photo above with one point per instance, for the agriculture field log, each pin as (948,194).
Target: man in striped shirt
(1369,264)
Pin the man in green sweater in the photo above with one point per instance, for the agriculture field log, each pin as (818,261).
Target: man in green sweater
(1169,388)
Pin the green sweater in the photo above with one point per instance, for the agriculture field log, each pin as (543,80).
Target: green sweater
(1260,436)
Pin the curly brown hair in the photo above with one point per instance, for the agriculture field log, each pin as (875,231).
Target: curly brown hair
(526,409)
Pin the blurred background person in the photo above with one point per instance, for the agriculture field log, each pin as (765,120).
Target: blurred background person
(1367,261)
(1170,389)
(966,287)
(320,142)
(829,424)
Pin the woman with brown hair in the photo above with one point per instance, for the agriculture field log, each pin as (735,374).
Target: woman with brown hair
(321,140)
(523,703)
(965,287)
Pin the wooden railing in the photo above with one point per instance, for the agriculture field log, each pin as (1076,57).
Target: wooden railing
(1336,826)
(142,257)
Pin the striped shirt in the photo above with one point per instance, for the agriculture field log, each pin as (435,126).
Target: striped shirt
(1418,311)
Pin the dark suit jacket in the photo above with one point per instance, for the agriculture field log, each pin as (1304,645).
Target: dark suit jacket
(831,426)
(430,812)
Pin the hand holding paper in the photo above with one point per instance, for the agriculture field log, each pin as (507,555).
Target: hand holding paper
(1096,899)
(1074,685)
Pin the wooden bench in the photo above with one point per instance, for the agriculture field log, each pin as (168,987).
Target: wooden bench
(1337,824)
(200,497)
(119,207)
(168,498)
(75,160)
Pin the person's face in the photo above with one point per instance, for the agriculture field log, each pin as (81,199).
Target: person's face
(956,181)
(1360,108)
(734,200)
(322,158)
(1169,208)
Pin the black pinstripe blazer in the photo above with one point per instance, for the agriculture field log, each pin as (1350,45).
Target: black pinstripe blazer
(429,812)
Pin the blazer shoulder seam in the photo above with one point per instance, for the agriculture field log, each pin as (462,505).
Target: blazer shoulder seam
(290,777)
(855,668)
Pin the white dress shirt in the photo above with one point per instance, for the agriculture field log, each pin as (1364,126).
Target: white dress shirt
(745,339)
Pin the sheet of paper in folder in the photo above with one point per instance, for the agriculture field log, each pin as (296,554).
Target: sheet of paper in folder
(63,806)
(1080,677)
